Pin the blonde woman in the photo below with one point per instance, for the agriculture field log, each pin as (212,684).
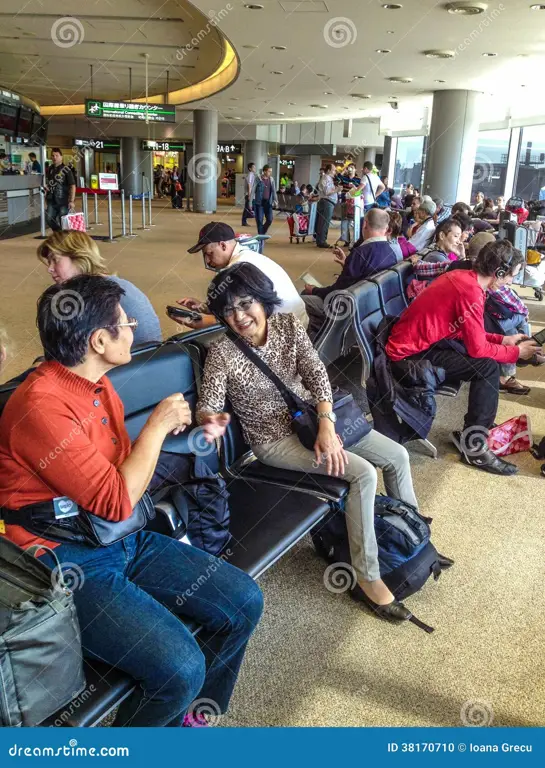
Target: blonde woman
(69,254)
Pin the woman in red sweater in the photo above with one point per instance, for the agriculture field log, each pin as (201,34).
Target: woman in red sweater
(445,325)
(62,437)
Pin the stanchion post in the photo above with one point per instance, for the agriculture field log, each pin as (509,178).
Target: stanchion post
(85,210)
(42,212)
(144,212)
(97,222)
(149,209)
(131,233)
(123,220)
(110,221)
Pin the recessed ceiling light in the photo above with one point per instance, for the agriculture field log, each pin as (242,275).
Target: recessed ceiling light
(346,107)
(318,106)
(321,74)
(253,110)
(275,113)
(279,47)
(522,55)
(537,7)
(436,54)
(250,46)
(439,81)
(390,32)
(260,88)
(383,50)
(276,72)
(360,95)
(328,93)
(466,8)
(489,55)
(391,6)
(291,103)
(253,6)
(400,79)
(237,118)
(235,98)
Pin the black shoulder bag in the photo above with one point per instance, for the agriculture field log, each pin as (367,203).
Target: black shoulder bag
(351,424)
(80,528)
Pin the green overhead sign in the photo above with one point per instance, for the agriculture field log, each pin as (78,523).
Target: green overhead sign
(122,110)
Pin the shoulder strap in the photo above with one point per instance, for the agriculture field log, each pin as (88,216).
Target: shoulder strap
(371,186)
(248,352)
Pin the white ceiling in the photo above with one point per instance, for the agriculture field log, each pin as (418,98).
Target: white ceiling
(49,60)
(508,28)
(328,43)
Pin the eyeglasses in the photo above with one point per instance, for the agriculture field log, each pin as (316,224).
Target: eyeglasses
(132,322)
(243,306)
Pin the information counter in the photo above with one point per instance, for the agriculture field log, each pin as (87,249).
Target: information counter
(19,205)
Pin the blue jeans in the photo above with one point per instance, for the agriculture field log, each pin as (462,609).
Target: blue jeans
(53,215)
(511,326)
(132,599)
(263,210)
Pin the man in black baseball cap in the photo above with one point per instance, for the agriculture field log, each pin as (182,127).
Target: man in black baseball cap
(220,250)
(215,232)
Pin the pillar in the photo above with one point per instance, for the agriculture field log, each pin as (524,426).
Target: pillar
(255,152)
(134,162)
(369,155)
(306,169)
(387,160)
(204,168)
(452,145)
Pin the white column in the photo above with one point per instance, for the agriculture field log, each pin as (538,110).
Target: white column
(452,145)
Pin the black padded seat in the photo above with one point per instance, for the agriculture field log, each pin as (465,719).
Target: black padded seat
(266,521)
(405,272)
(369,314)
(391,293)
(329,488)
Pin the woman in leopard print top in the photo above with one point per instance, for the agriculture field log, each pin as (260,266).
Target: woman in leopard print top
(244,299)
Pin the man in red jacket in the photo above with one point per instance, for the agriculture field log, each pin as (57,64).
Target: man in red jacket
(445,325)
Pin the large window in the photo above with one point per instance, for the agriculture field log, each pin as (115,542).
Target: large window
(408,166)
(530,178)
(491,163)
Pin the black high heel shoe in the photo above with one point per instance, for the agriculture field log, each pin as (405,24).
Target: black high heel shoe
(394,611)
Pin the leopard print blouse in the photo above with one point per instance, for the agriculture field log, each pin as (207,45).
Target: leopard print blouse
(258,404)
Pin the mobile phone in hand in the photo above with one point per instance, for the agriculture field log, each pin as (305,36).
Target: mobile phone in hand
(188,314)
(539,337)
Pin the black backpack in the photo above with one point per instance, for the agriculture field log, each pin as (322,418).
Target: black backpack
(407,558)
(201,500)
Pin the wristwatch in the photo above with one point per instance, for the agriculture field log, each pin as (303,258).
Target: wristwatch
(328,415)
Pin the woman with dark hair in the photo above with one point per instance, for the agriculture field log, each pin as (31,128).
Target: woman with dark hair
(399,244)
(63,442)
(243,299)
(447,245)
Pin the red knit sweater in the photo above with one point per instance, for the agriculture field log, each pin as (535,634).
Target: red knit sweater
(452,307)
(63,435)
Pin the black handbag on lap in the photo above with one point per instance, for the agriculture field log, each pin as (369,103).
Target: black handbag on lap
(351,425)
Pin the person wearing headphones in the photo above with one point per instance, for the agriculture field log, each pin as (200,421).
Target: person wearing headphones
(445,325)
